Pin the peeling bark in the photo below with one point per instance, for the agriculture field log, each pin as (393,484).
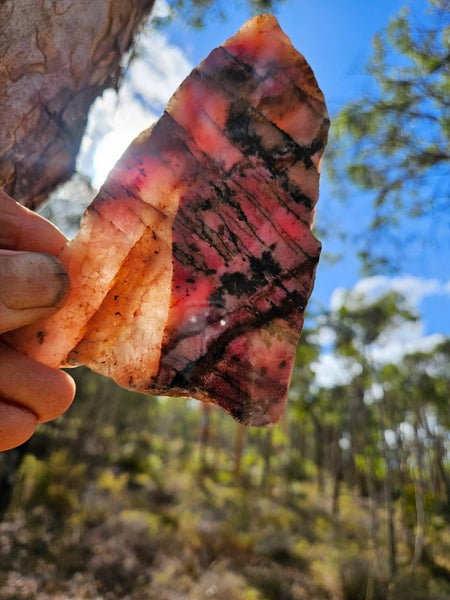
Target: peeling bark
(56,57)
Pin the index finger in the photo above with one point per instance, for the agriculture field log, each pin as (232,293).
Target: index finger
(22,229)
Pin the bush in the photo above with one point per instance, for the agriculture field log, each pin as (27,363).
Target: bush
(358,581)
(416,586)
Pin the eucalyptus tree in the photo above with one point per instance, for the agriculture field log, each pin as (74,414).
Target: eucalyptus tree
(392,141)
(360,329)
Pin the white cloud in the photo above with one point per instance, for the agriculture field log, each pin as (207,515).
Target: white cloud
(160,10)
(370,289)
(390,437)
(325,336)
(159,70)
(403,337)
(374,393)
(398,342)
(116,119)
(332,370)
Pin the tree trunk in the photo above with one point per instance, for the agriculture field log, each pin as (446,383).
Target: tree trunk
(267,453)
(319,443)
(441,478)
(374,560)
(56,57)
(390,518)
(388,485)
(440,452)
(336,467)
(359,431)
(205,436)
(239,445)
(419,542)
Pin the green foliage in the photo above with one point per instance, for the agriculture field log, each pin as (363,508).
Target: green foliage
(196,13)
(153,498)
(393,142)
(52,483)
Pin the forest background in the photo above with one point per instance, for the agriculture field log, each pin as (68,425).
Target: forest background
(348,497)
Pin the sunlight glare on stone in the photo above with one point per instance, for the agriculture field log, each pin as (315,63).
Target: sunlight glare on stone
(116,118)
(125,121)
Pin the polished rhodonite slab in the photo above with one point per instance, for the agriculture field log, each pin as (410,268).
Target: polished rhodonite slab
(193,266)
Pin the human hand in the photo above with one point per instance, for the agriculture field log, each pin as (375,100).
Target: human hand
(33,285)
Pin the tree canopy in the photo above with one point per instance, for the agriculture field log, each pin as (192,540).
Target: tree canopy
(392,142)
(197,12)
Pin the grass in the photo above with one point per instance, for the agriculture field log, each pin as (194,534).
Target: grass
(149,519)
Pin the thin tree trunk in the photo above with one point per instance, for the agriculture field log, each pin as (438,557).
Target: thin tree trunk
(419,542)
(373,507)
(439,459)
(320,453)
(388,490)
(358,432)
(239,444)
(205,436)
(267,456)
(390,518)
(373,565)
(444,475)
(336,464)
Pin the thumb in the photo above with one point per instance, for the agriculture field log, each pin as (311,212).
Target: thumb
(33,285)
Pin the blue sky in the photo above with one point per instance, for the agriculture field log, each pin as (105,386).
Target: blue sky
(335,37)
